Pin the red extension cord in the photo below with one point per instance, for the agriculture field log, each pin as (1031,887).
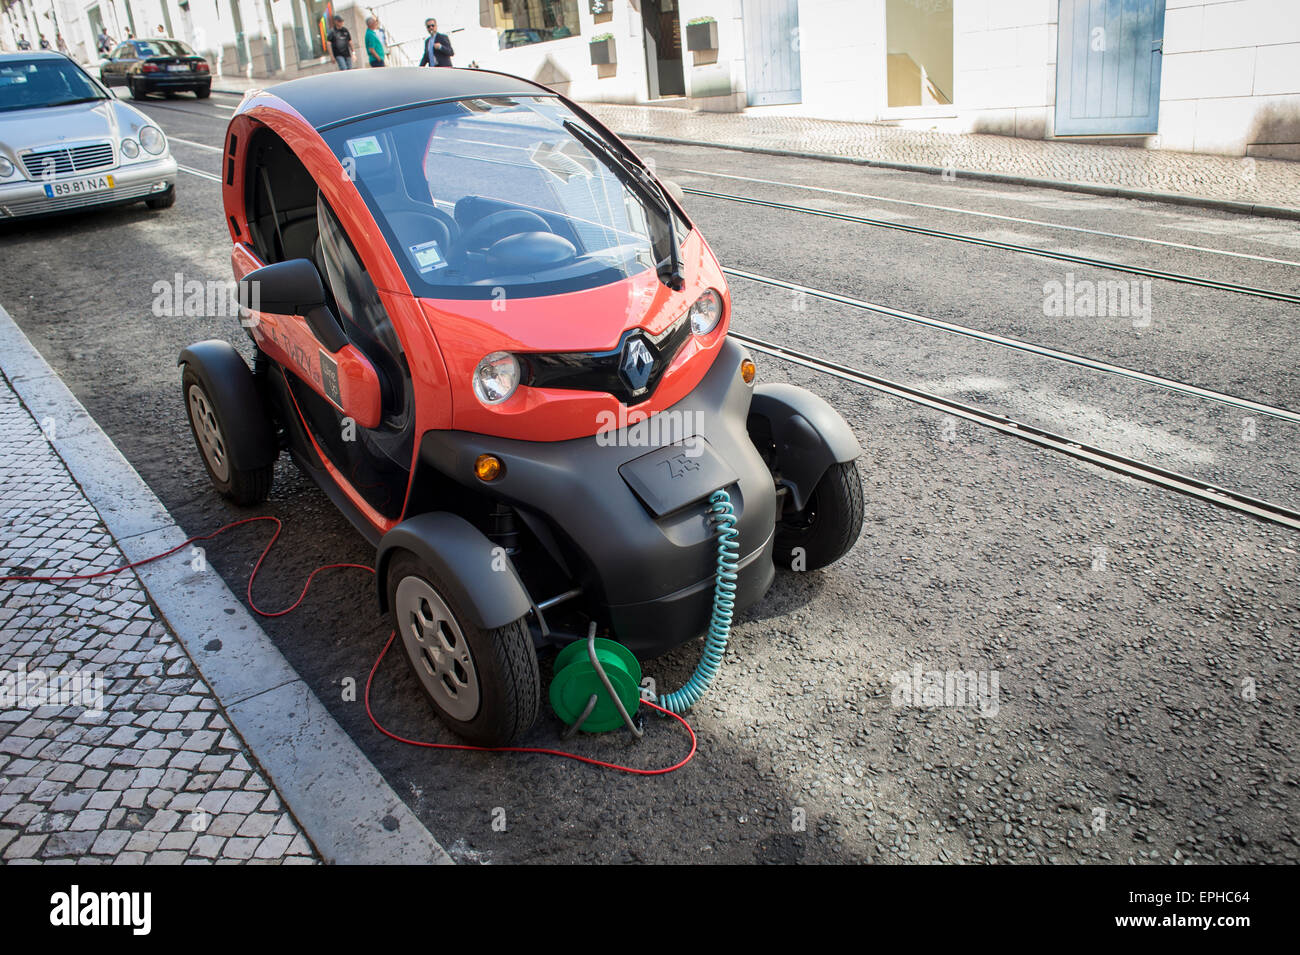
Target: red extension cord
(370,678)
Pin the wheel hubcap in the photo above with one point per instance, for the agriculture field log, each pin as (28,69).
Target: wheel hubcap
(209,434)
(438,648)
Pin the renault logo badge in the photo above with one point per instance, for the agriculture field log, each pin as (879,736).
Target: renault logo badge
(637,364)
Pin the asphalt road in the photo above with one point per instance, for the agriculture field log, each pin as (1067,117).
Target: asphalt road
(1145,645)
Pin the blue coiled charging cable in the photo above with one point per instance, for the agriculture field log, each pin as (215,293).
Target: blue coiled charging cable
(723,517)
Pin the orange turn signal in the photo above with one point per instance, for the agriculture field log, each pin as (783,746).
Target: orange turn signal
(748,371)
(488,467)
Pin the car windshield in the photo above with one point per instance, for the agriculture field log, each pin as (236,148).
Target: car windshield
(163,48)
(493,197)
(31,84)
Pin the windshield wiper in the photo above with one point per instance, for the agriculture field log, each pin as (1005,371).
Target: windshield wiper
(68,102)
(640,181)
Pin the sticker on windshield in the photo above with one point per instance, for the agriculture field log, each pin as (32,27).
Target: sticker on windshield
(365,146)
(427,256)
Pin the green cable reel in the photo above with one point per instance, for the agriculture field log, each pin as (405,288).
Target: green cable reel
(576,681)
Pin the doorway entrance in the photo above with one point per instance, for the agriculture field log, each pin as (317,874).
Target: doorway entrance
(1108,67)
(663,48)
(772,64)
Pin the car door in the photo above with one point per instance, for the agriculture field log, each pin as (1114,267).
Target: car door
(124,57)
(108,69)
(375,461)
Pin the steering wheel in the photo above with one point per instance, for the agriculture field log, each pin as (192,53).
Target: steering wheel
(499,225)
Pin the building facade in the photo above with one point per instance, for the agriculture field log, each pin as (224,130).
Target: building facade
(1220,76)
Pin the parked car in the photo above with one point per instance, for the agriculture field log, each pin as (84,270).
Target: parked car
(157,65)
(484,328)
(67,143)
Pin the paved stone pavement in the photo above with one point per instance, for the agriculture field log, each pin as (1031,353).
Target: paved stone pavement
(156,774)
(1269,182)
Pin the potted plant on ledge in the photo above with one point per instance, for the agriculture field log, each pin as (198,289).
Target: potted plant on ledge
(702,34)
(602,49)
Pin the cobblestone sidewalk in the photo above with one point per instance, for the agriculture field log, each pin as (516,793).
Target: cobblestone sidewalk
(1268,182)
(150,773)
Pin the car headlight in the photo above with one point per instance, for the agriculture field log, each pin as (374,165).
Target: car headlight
(705,312)
(496,377)
(6,168)
(129,148)
(152,141)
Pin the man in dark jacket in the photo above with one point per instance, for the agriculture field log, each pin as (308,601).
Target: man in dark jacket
(437,48)
(340,41)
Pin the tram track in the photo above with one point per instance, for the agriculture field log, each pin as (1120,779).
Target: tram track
(1073,258)
(1118,463)
(1092,364)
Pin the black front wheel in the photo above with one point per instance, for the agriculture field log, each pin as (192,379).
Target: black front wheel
(164,200)
(484,683)
(827,527)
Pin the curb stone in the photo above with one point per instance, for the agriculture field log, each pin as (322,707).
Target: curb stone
(1091,188)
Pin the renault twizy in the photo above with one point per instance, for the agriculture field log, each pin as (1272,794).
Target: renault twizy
(499,345)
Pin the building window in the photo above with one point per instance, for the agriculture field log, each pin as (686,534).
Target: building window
(310,24)
(521,22)
(920,52)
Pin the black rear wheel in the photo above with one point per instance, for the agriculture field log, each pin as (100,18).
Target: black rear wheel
(827,527)
(203,92)
(137,91)
(210,428)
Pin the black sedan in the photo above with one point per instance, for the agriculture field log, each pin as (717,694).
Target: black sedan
(158,65)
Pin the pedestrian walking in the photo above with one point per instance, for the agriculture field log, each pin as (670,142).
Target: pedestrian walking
(375,42)
(26,44)
(103,42)
(437,48)
(340,41)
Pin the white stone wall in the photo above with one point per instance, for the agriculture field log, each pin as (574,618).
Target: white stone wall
(1231,80)
(842,54)
(716,82)
(1005,65)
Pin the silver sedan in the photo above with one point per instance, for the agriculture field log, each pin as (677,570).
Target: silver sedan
(67,143)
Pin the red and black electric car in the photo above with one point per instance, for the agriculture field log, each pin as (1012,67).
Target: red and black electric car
(498,344)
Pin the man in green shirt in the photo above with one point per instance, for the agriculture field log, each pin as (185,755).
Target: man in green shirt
(374,42)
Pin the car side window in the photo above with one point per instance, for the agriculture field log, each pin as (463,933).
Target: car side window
(359,307)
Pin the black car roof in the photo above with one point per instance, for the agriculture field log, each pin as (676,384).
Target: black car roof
(329,98)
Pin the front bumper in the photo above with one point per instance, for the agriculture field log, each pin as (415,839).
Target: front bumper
(132,183)
(651,576)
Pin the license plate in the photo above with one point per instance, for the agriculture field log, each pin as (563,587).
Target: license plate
(677,475)
(78,187)
(178,67)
